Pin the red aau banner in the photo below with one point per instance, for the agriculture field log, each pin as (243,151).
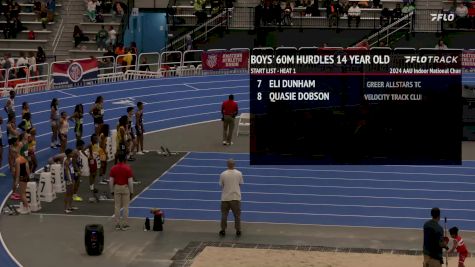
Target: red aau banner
(225,60)
(75,72)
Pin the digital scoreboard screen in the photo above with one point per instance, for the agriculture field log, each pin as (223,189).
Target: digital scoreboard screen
(350,106)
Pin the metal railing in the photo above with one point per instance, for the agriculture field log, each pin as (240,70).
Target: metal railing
(175,63)
(124,23)
(405,23)
(201,31)
(60,30)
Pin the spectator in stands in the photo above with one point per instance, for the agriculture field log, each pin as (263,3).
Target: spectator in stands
(377,4)
(354,12)
(44,16)
(119,8)
(17,26)
(385,17)
(200,13)
(101,39)
(7,11)
(79,36)
(112,37)
(441,45)
(188,42)
(119,50)
(364,3)
(9,61)
(127,62)
(134,51)
(37,9)
(408,8)
(107,6)
(382,44)
(333,13)
(21,63)
(313,9)
(144,65)
(32,64)
(461,13)
(287,14)
(31,35)
(91,10)
(51,6)
(99,6)
(397,12)
(16,9)
(7,30)
(40,59)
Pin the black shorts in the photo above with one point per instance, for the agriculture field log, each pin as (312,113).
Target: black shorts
(11,141)
(24,179)
(98,121)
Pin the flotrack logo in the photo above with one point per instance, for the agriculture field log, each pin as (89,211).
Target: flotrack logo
(443,17)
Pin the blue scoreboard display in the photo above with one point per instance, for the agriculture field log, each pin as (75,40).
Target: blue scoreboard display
(351,106)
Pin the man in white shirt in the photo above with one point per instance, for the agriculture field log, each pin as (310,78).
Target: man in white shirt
(112,36)
(354,12)
(230,181)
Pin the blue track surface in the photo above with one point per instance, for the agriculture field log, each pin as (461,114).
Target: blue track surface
(358,196)
(374,196)
(168,102)
(468,79)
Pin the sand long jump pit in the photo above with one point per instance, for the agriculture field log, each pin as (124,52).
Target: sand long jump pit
(213,254)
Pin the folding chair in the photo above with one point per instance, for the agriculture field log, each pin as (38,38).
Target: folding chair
(244,121)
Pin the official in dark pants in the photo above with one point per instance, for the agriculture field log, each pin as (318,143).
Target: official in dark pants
(434,240)
(229,111)
(230,182)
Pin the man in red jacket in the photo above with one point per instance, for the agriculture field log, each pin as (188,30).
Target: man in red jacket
(229,111)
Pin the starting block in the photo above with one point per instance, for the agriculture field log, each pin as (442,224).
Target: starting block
(45,188)
(57,178)
(33,196)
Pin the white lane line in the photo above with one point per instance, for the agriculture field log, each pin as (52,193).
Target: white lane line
(306,204)
(147,81)
(133,89)
(2,242)
(332,186)
(157,179)
(157,111)
(332,170)
(187,116)
(147,95)
(318,195)
(408,166)
(187,85)
(68,94)
(317,178)
(309,214)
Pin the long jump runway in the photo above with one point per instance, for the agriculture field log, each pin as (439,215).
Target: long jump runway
(371,196)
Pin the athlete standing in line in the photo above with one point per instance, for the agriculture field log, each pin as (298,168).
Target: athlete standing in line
(97,113)
(54,118)
(130,131)
(77,118)
(139,128)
